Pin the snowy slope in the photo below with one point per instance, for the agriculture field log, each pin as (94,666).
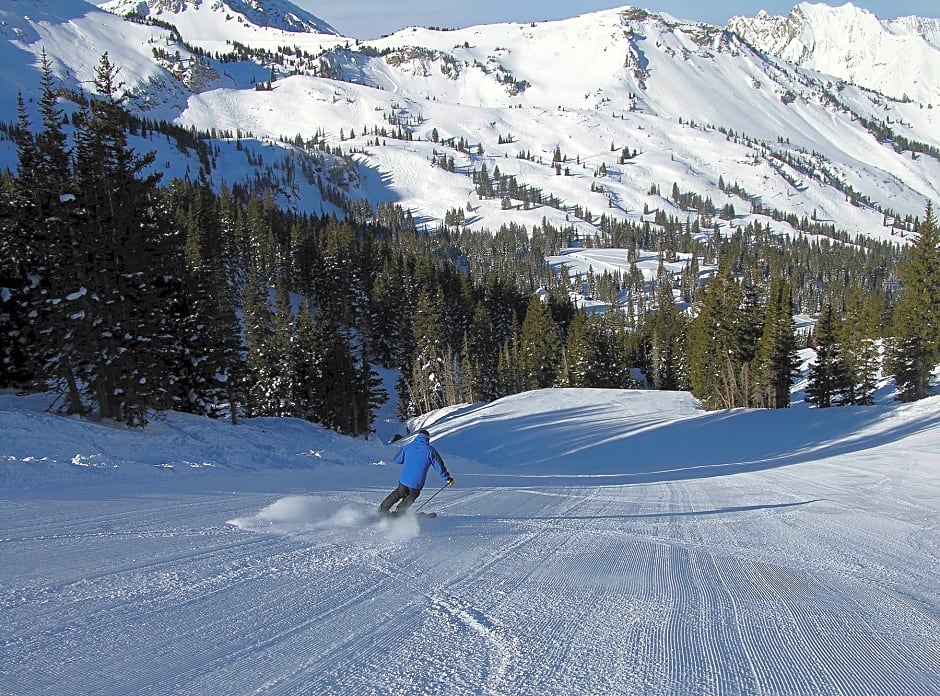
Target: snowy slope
(897,57)
(609,542)
(693,102)
(224,17)
(215,25)
(74,35)
(623,78)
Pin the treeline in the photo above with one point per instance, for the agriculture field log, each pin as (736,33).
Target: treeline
(129,298)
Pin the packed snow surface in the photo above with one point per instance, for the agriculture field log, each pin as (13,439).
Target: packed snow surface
(595,542)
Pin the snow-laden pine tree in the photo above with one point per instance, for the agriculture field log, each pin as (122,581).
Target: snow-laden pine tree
(19,253)
(116,265)
(667,329)
(431,368)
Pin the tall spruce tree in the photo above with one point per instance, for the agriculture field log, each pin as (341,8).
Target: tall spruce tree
(208,372)
(916,349)
(580,352)
(860,348)
(389,313)
(480,359)
(261,358)
(667,341)
(337,385)
(305,370)
(116,266)
(539,347)
(508,371)
(713,369)
(19,254)
(430,368)
(777,358)
(370,394)
(828,380)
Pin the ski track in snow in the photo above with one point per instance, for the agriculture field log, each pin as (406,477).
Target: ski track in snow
(661,588)
(815,577)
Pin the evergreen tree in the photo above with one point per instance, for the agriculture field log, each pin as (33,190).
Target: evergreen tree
(667,335)
(389,312)
(370,394)
(916,349)
(594,356)
(860,350)
(480,359)
(336,284)
(508,371)
(305,373)
(616,363)
(207,374)
(828,378)
(116,266)
(580,352)
(539,347)
(18,253)
(35,240)
(338,383)
(777,359)
(713,370)
(52,170)
(261,359)
(430,369)
(282,356)
(750,324)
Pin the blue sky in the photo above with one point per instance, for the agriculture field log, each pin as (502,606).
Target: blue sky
(371,18)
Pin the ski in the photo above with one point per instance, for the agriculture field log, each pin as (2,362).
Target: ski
(425,515)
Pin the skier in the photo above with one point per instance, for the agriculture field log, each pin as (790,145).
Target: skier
(415,460)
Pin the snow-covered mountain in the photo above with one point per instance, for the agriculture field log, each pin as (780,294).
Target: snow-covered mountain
(636,104)
(897,57)
(223,17)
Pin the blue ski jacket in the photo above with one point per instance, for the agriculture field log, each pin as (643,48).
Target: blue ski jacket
(416,458)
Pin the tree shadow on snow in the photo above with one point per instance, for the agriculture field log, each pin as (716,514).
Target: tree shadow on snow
(689,513)
(577,444)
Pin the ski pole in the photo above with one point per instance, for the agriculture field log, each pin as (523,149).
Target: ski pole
(431,498)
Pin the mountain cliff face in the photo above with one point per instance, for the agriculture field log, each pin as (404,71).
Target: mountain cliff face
(826,115)
(272,14)
(898,58)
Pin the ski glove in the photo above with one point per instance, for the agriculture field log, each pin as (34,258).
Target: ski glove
(450,481)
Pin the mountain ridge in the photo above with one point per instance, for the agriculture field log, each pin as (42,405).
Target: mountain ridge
(270,14)
(635,103)
(896,57)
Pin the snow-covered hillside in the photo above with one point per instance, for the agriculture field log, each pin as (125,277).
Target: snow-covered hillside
(594,542)
(635,102)
(897,57)
(224,18)
(216,26)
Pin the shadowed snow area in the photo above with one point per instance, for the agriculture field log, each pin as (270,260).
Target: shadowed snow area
(595,542)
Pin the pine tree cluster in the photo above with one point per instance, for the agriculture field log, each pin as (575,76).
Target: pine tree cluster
(128,298)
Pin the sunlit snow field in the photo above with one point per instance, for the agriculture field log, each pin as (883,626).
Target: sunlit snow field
(595,542)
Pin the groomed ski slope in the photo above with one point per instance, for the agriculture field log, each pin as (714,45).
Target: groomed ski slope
(595,542)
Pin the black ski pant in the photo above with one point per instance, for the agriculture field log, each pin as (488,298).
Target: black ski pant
(404,494)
